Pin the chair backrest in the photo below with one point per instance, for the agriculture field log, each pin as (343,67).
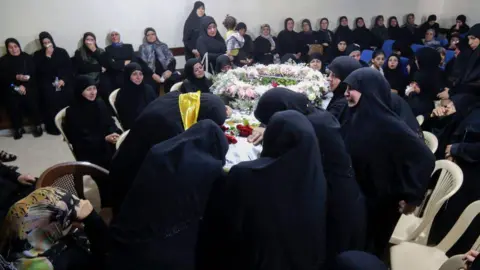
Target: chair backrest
(121,138)
(205,64)
(431,141)
(404,63)
(454,263)
(69,176)
(59,120)
(443,41)
(112,98)
(176,86)
(366,55)
(420,119)
(387,47)
(416,47)
(460,227)
(449,55)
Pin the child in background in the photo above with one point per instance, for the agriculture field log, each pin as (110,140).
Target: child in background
(378,59)
(233,39)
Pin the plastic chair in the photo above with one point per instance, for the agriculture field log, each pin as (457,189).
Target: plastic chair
(443,41)
(366,55)
(121,138)
(59,120)
(387,47)
(176,86)
(413,256)
(449,55)
(404,63)
(420,119)
(112,98)
(454,263)
(417,229)
(208,75)
(416,47)
(431,141)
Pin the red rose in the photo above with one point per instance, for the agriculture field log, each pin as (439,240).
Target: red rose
(231,139)
(224,128)
(274,84)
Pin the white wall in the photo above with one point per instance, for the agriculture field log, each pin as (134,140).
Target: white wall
(469,8)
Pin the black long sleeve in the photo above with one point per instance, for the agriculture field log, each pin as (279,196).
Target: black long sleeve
(97,233)
(203,49)
(65,73)
(83,67)
(7,173)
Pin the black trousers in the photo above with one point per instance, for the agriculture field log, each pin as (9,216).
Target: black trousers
(21,106)
(52,102)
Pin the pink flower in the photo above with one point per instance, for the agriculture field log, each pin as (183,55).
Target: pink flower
(250,93)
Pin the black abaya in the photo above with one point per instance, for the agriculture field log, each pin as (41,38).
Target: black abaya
(160,121)
(192,30)
(346,211)
(118,54)
(362,36)
(273,207)
(394,32)
(287,41)
(57,66)
(263,50)
(396,77)
(132,99)
(192,83)
(403,110)
(214,46)
(157,226)
(391,163)
(343,32)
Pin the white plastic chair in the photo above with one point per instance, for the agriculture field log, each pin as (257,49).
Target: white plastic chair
(431,141)
(417,229)
(420,119)
(413,256)
(205,63)
(176,86)
(121,138)
(112,98)
(59,119)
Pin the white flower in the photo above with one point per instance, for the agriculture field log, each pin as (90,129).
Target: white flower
(311,96)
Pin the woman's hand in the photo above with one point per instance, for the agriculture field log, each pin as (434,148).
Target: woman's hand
(157,78)
(394,91)
(61,83)
(416,89)
(112,138)
(408,69)
(92,47)
(22,90)
(405,208)
(84,209)
(469,257)
(257,136)
(26,179)
(439,111)
(448,153)
(167,74)
(126,62)
(196,53)
(444,94)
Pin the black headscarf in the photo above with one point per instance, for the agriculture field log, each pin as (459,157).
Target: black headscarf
(395,77)
(307,21)
(192,83)
(206,21)
(132,99)
(192,27)
(283,191)
(471,71)
(163,209)
(221,62)
(380,33)
(319,57)
(334,52)
(361,35)
(44,35)
(11,65)
(352,48)
(160,121)
(409,168)
(358,260)
(394,33)
(343,32)
(15,64)
(207,44)
(428,78)
(287,40)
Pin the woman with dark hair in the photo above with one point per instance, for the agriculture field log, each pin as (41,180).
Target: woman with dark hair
(395,76)
(431,23)
(265,46)
(192,30)
(91,61)
(134,96)
(378,59)
(159,60)
(54,79)
(361,35)
(17,74)
(306,38)
(195,79)
(288,40)
(460,26)
(245,54)
(211,42)
(394,30)
(326,36)
(120,54)
(89,126)
(343,31)
(379,31)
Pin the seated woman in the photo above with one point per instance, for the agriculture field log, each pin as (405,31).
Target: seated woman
(120,54)
(395,76)
(354,51)
(160,62)
(223,64)
(326,35)
(161,120)
(460,25)
(315,62)
(233,38)
(195,78)
(38,232)
(17,74)
(362,36)
(339,49)
(306,38)
(431,23)
(89,126)
(427,82)
(134,96)
(379,31)
(343,31)
(429,40)
(211,42)
(454,41)
(287,42)
(54,80)
(394,30)
(265,46)
(93,62)
(254,225)
(245,54)
(185,168)
(378,59)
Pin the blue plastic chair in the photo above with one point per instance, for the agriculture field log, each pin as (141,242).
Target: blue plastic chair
(449,55)
(404,64)
(443,42)
(416,47)
(463,35)
(366,55)
(387,47)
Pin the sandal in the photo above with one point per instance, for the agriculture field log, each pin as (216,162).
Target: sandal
(6,157)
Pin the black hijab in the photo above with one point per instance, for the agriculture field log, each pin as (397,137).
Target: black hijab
(361,35)
(403,110)
(159,121)
(216,41)
(472,67)
(192,83)
(132,98)
(343,32)
(192,27)
(334,52)
(326,36)
(44,35)
(428,77)
(394,32)
(159,219)
(222,61)
(342,67)
(287,40)
(409,168)
(283,191)
(307,21)
(395,77)
(16,64)
(317,56)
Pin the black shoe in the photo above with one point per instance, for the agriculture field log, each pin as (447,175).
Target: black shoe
(18,134)
(22,131)
(53,131)
(37,131)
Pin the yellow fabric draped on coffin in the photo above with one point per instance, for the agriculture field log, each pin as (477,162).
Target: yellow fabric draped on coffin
(189,104)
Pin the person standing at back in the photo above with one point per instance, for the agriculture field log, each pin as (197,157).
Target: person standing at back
(192,30)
